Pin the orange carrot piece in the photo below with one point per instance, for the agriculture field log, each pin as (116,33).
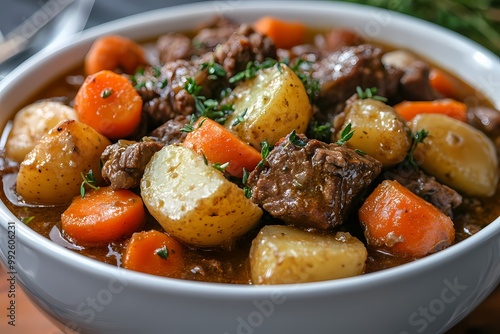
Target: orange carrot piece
(155,253)
(108,102)
(398,221)
(284,34)
(448,107)
(103,215)
(443,83)
(114,53)
(219,145)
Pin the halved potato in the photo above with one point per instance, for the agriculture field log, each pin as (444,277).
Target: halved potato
(270,106)
(193,201)
(51,172)
(31,123)
(378,131)
(284,254)
(457,154)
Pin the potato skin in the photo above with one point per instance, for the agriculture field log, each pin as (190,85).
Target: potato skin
(51,173)
(193,201)
(31,123)
(457,154)
(286,255)
(276,103)
(378,131)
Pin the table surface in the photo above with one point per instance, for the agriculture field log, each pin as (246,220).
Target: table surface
(483,320)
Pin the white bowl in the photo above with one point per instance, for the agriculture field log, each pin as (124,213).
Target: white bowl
(426,296)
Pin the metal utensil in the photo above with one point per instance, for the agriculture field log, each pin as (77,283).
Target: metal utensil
(50,23)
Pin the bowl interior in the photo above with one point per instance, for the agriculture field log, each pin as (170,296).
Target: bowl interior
(472,63)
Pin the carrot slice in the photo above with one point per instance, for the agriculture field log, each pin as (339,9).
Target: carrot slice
(108,102)
(443,83)
(284,34)
(155,253)
(400,222)
(219,145)
(448,107)
(114,53)
(103,215)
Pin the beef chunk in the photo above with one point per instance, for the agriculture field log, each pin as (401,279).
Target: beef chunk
(485,119)
(314,185)
(243,46)
(342,71)
(414,84)
(214,32)
(173,46)
(170,132)
(124,162)
(425,186)
(162,91)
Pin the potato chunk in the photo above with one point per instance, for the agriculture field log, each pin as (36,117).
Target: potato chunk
(193,201)
(51,172)
(284,255)
(457,154)
(31,123)
(269,106)
(378,131)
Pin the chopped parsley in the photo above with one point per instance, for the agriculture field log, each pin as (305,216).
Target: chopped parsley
(107,93)
(162,252)
(215,70)
(369,93)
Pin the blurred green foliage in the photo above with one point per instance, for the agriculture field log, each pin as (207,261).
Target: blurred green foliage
(477,19)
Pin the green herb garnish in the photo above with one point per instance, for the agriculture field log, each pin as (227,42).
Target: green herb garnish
(162,252)
(416,138)
(247,190)
(220,167)
(264,152)
(295,140)
(215,70)
(89,180)
(251,69)
(27,220)
(106,93)
(321,132)
(369,93)
(240,118)
(345,135)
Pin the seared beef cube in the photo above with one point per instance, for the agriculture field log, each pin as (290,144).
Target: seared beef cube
(242,47)
(173,46)
(170,132)
(214,32)
(485,119)
(162,91)
(311,184)
(443,197)
(124,162)
(415,84)
(342,71)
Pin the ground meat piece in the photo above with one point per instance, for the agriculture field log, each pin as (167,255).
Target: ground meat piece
(425,186)
(170,132)
(314,185)
(342,71)
(173,46)
(124,162)
(243,46)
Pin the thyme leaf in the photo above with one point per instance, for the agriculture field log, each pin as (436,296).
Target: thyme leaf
(264,152)
(416,138)
(345,135)
(88,180)
(369,93)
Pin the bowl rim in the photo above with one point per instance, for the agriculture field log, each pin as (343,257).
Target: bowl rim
(70,258)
